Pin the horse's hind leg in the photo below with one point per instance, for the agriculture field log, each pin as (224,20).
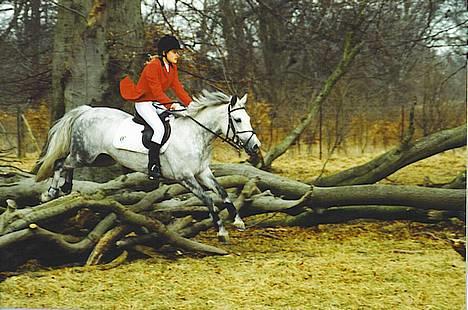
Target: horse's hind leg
(54,190)
(66,188)
(207,178)
(192,185)
(73,160)
(61,165)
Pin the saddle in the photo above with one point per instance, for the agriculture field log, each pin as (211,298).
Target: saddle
(147,131)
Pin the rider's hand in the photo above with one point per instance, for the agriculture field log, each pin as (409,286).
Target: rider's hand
(178,109)
(177,106)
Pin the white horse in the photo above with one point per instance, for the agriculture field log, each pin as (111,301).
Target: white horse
(84,133)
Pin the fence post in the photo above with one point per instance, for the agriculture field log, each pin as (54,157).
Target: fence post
(402,122)
(19,133)
(320,130)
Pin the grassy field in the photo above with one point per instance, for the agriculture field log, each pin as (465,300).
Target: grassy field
(357,265)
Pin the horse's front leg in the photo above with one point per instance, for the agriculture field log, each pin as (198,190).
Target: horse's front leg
(207,178)
(192,184)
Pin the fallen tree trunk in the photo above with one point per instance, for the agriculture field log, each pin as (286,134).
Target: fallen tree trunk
(335,215)
(268,181)
(399,157)
(129,188)
(28,192)
(413,196)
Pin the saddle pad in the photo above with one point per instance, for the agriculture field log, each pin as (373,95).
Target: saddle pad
(128,137)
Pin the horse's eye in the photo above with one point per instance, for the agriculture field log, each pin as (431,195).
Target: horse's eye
(237,120)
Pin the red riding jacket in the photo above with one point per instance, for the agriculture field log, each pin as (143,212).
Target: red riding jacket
(153,82)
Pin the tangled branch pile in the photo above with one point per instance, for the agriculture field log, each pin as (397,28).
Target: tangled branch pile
(102,222)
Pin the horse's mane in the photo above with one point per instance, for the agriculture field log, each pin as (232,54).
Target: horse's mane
(207,99)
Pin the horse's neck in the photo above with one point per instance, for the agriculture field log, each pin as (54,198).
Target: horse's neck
(211,118)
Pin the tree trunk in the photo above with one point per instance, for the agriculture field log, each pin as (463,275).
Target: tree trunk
(95,42)
(395,159)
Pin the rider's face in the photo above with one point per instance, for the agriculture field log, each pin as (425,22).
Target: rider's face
(172,56)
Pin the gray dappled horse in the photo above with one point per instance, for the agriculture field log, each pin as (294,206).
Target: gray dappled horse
(84,133)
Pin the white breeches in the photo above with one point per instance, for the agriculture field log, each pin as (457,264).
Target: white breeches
(150,114)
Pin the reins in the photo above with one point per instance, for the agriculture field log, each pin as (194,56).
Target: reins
(231,142)
(235,143)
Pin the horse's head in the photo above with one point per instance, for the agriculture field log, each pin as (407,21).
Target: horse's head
(239,127)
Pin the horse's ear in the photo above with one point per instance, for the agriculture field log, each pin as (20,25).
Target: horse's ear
(243,100)
(233,100)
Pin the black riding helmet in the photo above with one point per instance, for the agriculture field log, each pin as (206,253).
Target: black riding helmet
(167,43)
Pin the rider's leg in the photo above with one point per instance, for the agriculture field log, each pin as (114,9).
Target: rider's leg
(150,114)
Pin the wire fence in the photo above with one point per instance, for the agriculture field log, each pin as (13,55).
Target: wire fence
(23,129)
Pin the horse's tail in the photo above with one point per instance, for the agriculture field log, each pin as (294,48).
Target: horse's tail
(58,143)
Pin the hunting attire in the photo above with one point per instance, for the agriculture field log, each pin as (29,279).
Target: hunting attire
(150,98)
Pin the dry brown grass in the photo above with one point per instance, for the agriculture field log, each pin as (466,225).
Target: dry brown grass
(359,265)
(362,265)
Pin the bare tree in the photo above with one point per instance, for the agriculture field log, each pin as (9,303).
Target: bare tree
(95,42)
(25,41)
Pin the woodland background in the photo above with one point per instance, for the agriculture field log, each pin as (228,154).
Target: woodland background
(342,74)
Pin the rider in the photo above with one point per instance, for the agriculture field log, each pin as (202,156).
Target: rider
(159,74)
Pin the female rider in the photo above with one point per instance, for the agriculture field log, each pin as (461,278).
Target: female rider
(158,75)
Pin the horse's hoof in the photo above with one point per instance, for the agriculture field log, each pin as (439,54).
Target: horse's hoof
(45,197)
(66,189)
(223,238)
(239,224)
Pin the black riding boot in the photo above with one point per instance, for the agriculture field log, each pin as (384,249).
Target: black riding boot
(154,166)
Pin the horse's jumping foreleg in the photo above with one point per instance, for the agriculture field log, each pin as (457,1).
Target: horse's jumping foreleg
(207,178)
(192,185)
